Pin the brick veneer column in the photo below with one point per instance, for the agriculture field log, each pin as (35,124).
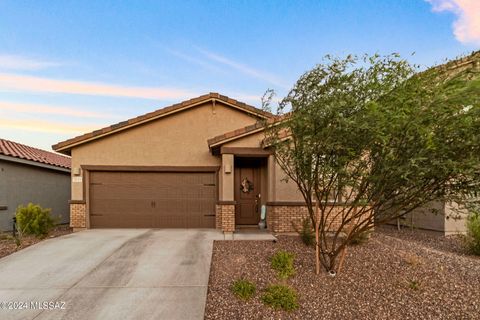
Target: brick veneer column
(228,217)
(78,216)
(218,216)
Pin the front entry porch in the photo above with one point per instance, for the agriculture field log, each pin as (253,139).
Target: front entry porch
(243,188)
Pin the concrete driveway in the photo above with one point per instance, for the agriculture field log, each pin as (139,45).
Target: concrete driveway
(110,274)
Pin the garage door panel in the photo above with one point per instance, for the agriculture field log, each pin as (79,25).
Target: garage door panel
(117,206)
(122,221)
(148,199)
(165,220)
(117,192)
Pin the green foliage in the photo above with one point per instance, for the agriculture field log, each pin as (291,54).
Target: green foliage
(360,238)
(35,220)
(414,285)
(473,232)
(18,241)
(243,289)
(280,297)
(382,139)
(306,232)
(282,262)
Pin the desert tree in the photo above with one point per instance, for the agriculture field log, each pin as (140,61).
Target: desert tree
(370,139)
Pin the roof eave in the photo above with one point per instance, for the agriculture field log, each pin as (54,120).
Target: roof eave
(221,142)
(65,147)
(34,163)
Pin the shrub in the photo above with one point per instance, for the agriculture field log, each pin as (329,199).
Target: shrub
(280,297)
(34,219)
(412,259)
(282,262)
(306,232)
(243,289)
(473,232)
(360,238)
(414,285)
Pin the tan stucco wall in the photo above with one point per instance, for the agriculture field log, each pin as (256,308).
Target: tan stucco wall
(226,179)
(285,190)
(455,219)
(448,219)
(250,141)
(425,218)
(176,140)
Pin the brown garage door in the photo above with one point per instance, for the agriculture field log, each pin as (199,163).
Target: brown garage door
(152,200)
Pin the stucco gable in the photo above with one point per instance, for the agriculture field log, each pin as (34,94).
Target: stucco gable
(66,146)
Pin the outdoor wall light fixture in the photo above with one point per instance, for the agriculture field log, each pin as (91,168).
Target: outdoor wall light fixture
(76,171)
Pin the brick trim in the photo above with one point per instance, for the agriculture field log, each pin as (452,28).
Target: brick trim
(284,219)
(77,202)
(221,202)
(302,203)
(285,203)
(246,152)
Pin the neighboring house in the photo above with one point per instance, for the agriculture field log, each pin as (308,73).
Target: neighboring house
(32,175)
(196,164)
(437,216)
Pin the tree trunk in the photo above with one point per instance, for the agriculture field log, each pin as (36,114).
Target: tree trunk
(342,257)
(317,242)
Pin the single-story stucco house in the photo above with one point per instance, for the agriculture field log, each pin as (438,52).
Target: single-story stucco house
(32,175)
(200,163)
(195,164)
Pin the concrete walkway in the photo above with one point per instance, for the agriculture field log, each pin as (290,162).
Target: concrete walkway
(110,274)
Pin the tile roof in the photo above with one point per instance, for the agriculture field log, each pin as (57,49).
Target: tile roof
(235,133)
(258,126)
(21,151)
(64,145)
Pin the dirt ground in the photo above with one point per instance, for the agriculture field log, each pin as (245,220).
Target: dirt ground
(395,275)
(8,245)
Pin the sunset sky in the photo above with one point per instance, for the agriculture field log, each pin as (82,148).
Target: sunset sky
(69,67)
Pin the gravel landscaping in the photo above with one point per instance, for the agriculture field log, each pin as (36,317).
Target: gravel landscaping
(9,246)
(431,239)
(395,275)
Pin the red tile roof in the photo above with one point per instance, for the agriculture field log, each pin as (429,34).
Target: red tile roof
(65,146)
(21,151)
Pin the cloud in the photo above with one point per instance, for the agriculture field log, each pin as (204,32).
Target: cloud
(466,27)
(247,70)
(194,60)
(45,126)
(45,109)
(15,62)
(47,85)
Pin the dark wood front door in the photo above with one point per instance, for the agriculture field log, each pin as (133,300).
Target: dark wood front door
(247,191)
